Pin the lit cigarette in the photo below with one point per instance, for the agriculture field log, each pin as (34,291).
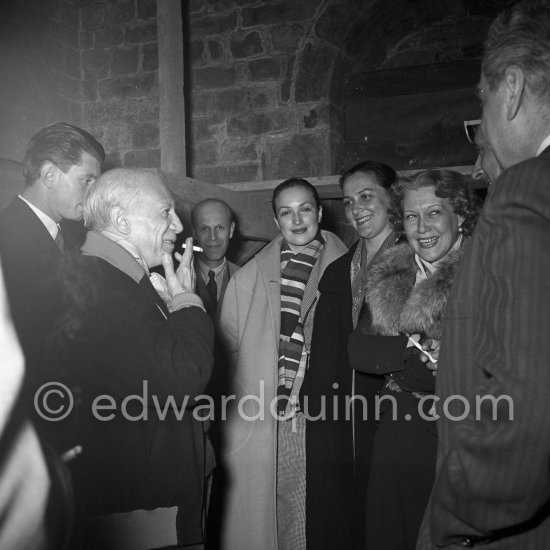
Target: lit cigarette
(418,346)
(195,248)
(71,454)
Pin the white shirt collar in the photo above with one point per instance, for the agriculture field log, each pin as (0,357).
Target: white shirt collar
(49,224)
(205,269)
(545,143)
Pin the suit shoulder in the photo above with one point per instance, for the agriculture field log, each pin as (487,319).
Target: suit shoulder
(532,169)
(11,217)
(525,185)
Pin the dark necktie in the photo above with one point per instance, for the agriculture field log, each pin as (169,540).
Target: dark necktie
(59,240)
(212,288)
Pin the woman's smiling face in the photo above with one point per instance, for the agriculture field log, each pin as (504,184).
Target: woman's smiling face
(365,204)
(430,224)
(297,216)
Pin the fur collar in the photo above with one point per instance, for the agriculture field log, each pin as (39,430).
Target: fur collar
(397,305)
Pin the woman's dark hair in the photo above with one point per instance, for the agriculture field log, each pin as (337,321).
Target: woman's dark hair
(447,185)
(295,182)
(385,175)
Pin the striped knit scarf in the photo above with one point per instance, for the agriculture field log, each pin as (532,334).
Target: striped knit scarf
(295,272)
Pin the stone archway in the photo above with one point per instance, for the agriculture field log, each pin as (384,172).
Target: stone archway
(353,36)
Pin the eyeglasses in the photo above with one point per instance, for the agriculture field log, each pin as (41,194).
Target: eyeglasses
(471,127)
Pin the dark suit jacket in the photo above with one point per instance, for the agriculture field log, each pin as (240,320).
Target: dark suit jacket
(230,270)
(29,258)
(124,341)
(30,263)
(493,476)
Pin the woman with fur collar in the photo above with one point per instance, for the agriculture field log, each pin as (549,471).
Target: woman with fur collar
(406,293)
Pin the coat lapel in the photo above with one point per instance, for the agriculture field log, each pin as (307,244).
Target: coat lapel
(269,266)
(146,285)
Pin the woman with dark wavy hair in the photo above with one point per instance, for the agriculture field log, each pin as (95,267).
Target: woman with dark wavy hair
(406,293)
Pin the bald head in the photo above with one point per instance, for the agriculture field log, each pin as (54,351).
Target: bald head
(209,204)
(213,227)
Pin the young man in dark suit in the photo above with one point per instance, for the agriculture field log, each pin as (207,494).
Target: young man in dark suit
(213,227)
(492,485)
(60,162)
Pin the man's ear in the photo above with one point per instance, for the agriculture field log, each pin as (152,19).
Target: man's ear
(514,82)
(48,174)
(119,220)
(231,229)
(320,214)
(276,223)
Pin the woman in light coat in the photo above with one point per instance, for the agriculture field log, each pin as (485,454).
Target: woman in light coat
(268,346)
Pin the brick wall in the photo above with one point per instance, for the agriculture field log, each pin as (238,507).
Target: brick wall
(93,63)
(268,76)
(264,79)
(119,61)
(254,116)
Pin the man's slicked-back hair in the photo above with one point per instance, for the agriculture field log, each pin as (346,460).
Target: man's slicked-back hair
(120,187)
(227,208)
(59,143)
(520,37)
(384,175)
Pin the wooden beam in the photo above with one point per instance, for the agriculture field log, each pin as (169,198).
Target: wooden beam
(171,99)
(253,214)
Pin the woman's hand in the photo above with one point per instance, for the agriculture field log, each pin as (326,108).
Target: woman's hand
(430,345)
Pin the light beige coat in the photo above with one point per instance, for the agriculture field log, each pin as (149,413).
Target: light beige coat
(250,325)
